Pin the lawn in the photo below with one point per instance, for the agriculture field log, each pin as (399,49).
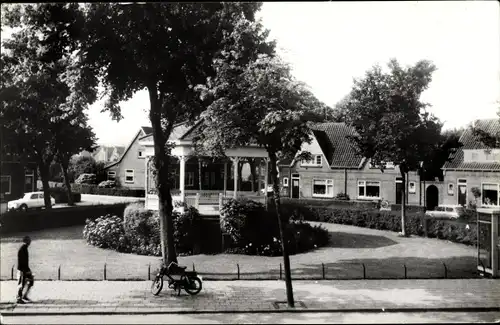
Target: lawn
(383,255)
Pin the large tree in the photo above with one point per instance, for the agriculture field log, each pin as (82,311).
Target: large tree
(165,49)
(258,102)
(391,122)
(43,90)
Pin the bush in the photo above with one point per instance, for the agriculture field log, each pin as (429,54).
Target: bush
(139,232)
(255,231)
(460,231)
(94,189)
(106,232)
(342,196)
(61,196)
(142,228)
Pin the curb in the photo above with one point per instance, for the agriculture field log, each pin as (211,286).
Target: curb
(253,311)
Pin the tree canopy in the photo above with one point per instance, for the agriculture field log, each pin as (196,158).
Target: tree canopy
(390,120)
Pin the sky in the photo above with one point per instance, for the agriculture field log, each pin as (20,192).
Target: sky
(330,43)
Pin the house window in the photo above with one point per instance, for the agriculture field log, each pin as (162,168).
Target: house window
(190,179)
(451,189)
(5,185)
(368,190)
(315,161)
(490,194)
(412,188)
(129,176)
(285,181)
(140,153)
(111,175)
(322,188)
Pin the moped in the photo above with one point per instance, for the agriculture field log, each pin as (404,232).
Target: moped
(190,281)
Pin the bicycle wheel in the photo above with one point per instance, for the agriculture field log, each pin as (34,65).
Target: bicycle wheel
(157,285)
(192,285)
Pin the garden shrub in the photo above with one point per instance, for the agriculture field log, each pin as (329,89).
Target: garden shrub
(255,231)
(462,230)
(115,191)
(106,232)
(342,196)
(61,196)
(139,231)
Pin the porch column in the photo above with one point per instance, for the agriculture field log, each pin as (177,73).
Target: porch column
(259,175)
(225,177)
(182,177)
(235,160)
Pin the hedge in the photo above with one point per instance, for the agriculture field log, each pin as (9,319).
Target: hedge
(460,231)
(19,221)
(61,196)
(94,189)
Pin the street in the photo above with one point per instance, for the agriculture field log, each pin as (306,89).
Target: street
(262,318)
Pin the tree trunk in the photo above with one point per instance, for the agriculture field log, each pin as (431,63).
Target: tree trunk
(286,257)
(44,174)
(64,167)
(162,164)
(403,200)
(251,162)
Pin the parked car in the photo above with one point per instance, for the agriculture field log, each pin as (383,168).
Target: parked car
(86,179)
(107,184)
(31,200)
(446,211)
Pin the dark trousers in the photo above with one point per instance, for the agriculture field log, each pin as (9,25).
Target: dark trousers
(24,279)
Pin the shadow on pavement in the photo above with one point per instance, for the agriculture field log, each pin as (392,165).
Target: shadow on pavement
(353,240)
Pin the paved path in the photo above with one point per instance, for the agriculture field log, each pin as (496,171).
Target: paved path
(109,297)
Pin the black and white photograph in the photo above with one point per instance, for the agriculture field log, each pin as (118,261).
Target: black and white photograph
(322,162)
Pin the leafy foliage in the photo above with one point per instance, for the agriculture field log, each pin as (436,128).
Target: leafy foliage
(254,231)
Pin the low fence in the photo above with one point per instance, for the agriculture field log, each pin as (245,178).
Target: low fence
(330,271)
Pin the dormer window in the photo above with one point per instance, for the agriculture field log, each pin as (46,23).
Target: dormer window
(316,160)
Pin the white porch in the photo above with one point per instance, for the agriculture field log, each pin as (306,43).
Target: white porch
(208,201)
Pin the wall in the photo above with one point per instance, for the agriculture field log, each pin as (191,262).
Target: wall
(387,181)
(16,171)
(131,161)
(474,179)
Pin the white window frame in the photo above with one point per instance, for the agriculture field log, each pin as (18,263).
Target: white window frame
(285,181)
(388,165)
(414,187)
(452,191)
(127,174)
(111,172)
(189,179)
(10,184)
(141,153)
(313,162)
(498,195)
(328,183)
(363,183)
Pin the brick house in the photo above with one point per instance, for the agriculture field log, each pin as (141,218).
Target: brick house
(129,169)
(473,166)
(17,178)
(337,168)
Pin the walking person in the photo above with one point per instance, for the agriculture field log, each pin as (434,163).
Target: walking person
(24,275)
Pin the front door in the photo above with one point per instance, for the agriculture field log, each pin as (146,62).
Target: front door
(295,188)
(462,192)
(29,183)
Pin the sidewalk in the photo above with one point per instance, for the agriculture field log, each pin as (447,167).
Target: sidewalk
(129,297)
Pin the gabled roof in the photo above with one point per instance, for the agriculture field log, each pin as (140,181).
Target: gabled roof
(339,151)
(141,131)
(180,131)
(469,141)
(147,130)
